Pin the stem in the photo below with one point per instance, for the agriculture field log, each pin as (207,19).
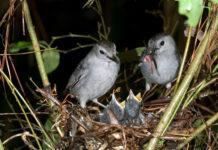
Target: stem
(71,35)
(182,89)
(14,91)
(17,94)
(194,94)
(35,43)
(184,58)
(100,12)
(1,145)
(199,130)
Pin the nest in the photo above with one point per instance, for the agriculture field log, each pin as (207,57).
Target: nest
(84,131)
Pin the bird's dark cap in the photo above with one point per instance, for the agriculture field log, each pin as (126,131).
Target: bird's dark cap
(107,45)
(158,36)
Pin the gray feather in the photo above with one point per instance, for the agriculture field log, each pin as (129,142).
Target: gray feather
(95,74)
(166,59)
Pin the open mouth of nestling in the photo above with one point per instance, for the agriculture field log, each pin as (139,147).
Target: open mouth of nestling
(147,58)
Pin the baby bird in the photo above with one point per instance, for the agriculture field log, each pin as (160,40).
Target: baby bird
(132,110)
(95,74)
(114,112)
(160,62)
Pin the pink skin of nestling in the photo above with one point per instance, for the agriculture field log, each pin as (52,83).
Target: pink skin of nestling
(149,59)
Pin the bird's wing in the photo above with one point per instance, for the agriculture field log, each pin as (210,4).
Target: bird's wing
(78,75)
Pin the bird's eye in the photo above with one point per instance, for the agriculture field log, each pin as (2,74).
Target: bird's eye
(162,43)
(102,52)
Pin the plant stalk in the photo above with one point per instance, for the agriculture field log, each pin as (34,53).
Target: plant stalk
(184,58)
(35,43)
(199,130)
(182,89)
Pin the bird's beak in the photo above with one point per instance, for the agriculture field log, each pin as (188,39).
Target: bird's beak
(114,58)
(151,51)
(148,55)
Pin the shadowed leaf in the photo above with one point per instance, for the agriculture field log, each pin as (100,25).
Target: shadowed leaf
(51,60)
(21,45)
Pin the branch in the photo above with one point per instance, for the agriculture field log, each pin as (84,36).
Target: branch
(182,89)
(199,130)
(35,43)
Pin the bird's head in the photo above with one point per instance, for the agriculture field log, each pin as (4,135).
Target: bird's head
(106,51)
(160,44)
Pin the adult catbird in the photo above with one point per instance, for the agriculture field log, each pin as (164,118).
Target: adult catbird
(95,74)
(160,61)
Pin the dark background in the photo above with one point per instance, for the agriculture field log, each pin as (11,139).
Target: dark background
(132,23)
(130,27)
(129,22)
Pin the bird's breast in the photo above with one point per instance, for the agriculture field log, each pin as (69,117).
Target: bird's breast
(101,78)
(107,70)
(163,72)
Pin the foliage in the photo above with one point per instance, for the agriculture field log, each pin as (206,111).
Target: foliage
(192,9)
(51,60)
(198,80)
(51,56)
(20,45)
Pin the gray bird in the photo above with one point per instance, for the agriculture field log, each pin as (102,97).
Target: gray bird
(116,108)
(132,105)
(132,111)
(160,61)
(114,112)
(128,113)
(95,74)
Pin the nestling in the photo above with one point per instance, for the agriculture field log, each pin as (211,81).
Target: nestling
(114,112)
(95,74)
(132,110)
(160,61)
(126,113)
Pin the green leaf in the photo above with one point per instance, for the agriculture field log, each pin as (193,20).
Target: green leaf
(16,47)
(160,144)
(54,135)
(198,123)
(51,60)
(131,55)
(192,9)
(139,50)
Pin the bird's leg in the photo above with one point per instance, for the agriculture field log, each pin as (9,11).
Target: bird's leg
(147,86)
(168,85)
(97,102)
